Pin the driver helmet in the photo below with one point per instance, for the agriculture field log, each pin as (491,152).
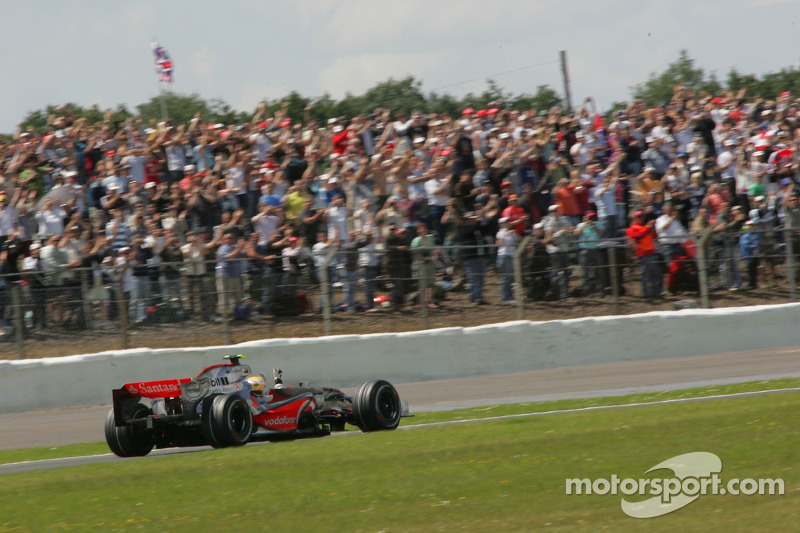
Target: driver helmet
(257,384)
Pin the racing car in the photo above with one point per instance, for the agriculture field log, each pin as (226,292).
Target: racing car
(228,405)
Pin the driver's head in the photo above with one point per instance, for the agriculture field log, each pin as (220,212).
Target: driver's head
(257,384)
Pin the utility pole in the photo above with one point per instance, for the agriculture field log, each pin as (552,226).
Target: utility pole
(565,75)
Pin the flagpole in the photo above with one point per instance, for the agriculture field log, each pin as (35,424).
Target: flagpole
(163,101)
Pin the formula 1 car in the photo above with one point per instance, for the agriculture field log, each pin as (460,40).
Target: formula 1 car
(228,405)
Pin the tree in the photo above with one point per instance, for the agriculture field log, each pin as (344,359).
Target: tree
(544,99)
(398,95)
(180,108)
(660,88)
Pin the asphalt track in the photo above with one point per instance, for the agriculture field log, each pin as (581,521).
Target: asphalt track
(57,427)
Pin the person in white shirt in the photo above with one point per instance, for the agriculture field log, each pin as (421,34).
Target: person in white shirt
(438,190)
(7,215)
(506,240)
(265,223)
(51,219)
(671,233)
(336,216)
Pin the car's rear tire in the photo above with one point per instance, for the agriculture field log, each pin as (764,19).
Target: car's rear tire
(376,406)
(232,420)
(131,440)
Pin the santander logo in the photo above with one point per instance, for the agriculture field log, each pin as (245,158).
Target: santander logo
(155,387)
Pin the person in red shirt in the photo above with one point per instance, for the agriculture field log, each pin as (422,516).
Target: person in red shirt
(567,201)
(516,215)
(152,170)
(642,234)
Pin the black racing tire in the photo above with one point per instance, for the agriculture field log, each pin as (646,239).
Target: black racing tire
(232,420)
(207,425)
(376,406)
(132,440)
(111,434)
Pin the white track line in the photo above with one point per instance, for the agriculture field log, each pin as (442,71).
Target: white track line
(605,407)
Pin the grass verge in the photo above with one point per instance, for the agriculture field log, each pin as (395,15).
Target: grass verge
(507,474)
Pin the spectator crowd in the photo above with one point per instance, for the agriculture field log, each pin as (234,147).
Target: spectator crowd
(203,217)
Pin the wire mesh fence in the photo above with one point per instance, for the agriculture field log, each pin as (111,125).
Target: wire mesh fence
(349,290)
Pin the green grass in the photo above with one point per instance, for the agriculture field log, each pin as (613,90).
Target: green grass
(75,450)
(494,475)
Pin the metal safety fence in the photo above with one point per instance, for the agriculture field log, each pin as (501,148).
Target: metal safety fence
(352,290)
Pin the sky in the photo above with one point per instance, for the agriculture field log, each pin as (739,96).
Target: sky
(243,51)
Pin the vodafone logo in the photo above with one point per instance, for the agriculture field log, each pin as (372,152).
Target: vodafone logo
(279,421)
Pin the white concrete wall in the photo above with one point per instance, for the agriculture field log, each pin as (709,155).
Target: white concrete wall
(348,360)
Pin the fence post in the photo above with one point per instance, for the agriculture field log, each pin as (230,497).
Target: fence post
(87,307)
(19,322)
(122,307)
(519,287)
(326,289)
(790,266)
(611,254)
(702,267)
(226,314)
(422,292)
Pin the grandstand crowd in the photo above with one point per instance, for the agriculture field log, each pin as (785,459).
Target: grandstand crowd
(208,216)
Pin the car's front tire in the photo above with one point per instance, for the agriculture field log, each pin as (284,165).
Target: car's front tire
(376,406)
(231,421)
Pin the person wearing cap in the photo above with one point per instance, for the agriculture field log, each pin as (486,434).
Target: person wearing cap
(336,216)
(32,266)
(671,233)
(725,244)
(654,157)
(51,218)
(196,253)
(642,234)
(437,188)
(8,214)
(750,243)
(113,199)
(516,216)
(398,262)
(117,231)
(506,240)
(558,231)
(590,255)
(175,151)
(423,248)
(53,261)
(230,267)
(474,254)
(726,161)
(649,189)
(538,267)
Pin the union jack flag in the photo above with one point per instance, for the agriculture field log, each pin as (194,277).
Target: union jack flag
(163,62)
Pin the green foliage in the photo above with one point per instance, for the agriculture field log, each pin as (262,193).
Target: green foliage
(398,95)
(660,88)
(406,95)
(544,99)
(179,108)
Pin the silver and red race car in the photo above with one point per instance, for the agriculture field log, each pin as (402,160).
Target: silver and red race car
(228,405)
